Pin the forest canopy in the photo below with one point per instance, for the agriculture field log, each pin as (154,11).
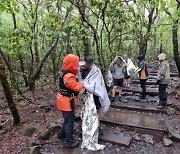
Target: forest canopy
(102,28)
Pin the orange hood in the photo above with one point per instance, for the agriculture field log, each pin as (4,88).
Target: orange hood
(70,63)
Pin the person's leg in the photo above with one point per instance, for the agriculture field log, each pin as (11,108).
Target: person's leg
(128,81)
(69,125)
(164,95)
(61,133)
(98,106)
(160,93)
(120,85)
(160,105)
(143,87)
(114,91)
(120,91)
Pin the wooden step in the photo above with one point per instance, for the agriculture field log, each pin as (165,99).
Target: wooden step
(150,92)
(171,75)
(152,82)
(139,122)
(115,139)
(137,107)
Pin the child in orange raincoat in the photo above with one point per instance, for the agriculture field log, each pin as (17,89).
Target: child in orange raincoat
(68,89)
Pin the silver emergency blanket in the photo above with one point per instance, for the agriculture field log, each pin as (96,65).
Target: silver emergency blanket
(90,125)
(94,84)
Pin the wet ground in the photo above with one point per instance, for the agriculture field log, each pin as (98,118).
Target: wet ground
(143,142)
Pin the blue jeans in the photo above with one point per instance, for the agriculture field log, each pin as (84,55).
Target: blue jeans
(67,127)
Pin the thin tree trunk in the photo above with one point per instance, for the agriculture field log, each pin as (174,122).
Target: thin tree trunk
(23,70)
(8,94)
(38,70)
(175,45)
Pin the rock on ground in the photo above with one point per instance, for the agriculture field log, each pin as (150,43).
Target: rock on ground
(167,142)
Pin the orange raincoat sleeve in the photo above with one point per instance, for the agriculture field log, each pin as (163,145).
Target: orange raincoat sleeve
(71,83)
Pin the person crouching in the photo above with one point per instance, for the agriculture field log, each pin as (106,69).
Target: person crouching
(163,80)
(68,89)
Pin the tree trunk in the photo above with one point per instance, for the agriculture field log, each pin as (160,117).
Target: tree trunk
(161,49)
(23,70)
(175,45)
(38,70)
(8,94)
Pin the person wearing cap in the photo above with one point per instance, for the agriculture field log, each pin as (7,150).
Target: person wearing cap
(143,74)
(66,98)
(117,69)
(85,69)
(163,79)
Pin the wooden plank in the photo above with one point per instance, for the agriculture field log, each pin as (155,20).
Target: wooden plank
(115,139)
(148,92)
(133,120)
(138,107)
(147,82)
(171,75)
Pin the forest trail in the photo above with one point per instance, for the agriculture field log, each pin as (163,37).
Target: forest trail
(137,124)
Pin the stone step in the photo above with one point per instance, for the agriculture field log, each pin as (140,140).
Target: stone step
(138,107)
(115,139)
(150,92)
(139,122)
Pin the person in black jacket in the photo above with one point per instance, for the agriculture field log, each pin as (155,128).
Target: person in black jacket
(143,74)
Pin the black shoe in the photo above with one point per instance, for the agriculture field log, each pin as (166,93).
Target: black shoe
(61,136)
(100,131)
(142,97)
(112,99)
(73,145)
(119,98)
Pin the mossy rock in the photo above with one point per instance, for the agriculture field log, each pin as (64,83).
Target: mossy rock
(28,130)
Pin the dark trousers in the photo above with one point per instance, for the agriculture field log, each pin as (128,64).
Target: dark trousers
(67,127)
(162,94)
(143,87)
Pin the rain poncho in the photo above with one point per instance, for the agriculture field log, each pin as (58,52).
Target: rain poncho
(130,69)
(94,84)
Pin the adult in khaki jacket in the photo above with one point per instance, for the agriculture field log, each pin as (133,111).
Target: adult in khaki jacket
(163,79)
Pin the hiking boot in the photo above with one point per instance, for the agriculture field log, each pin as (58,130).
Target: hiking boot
(142,97)
(119,98)
(100,131)
(112,99)
(73,145)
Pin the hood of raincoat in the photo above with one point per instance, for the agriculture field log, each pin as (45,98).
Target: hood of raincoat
(140,57)
(70,63)
(162,57)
